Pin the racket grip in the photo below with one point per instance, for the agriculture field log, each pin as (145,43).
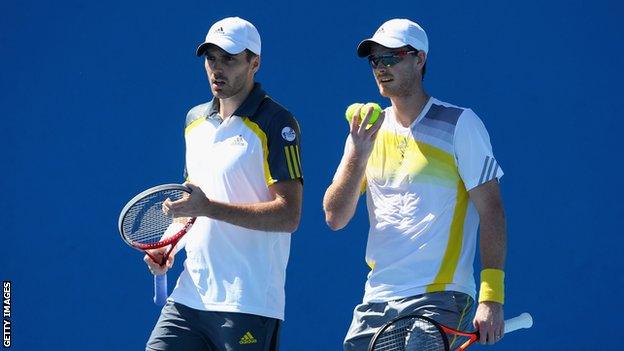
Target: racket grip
(520,322)
(160,289)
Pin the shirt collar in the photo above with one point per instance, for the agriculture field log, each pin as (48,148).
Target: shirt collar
(247,109)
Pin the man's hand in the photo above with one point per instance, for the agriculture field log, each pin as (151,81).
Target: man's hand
(158,254)
(489,322)
(194,205)
(364,139)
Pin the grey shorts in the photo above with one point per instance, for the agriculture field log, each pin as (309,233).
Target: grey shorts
(183,328)
(450,308)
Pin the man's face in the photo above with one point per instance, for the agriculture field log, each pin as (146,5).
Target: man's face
(399,75)
(228,74)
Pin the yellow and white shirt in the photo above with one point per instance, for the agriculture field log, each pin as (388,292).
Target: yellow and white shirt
(423,226)
(230,268)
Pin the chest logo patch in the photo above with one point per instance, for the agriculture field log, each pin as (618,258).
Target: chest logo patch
(237,141)
(288,134)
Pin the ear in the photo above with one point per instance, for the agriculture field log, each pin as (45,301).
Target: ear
(255,64)
(422,58)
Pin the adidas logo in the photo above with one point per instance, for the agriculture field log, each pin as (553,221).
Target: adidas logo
(247,339)
(220,30)
(238,140)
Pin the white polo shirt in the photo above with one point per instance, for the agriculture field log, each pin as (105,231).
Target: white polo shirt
(230,268)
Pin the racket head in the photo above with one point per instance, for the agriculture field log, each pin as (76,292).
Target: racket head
(142,222)
(410,333)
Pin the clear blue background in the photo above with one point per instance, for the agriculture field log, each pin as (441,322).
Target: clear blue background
(94,95)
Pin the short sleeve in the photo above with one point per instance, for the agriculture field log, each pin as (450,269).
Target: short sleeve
(284,154)
(473,151)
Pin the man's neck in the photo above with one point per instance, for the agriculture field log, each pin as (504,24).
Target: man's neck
(228,106)
(408,108)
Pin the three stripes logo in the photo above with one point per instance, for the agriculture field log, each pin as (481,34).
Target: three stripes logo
(248,339)
(293,160)
(490,168)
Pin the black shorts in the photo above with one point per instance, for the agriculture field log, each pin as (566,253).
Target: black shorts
(183,328)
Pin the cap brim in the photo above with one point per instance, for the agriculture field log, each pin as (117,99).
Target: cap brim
(224,43)
(364,49)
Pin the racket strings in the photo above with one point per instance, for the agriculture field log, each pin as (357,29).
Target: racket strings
(410,334)
(145,222)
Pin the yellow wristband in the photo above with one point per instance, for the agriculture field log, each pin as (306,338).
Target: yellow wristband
(492,285)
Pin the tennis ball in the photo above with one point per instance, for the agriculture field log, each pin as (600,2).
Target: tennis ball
(351,110)
(363,111)
(376,112)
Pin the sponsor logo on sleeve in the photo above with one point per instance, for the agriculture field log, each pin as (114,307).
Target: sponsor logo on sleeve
(288,134)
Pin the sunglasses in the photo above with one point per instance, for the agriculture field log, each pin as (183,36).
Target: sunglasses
(389,59)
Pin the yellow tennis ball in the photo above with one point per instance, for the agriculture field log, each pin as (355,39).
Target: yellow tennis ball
(351,110)
(376,112)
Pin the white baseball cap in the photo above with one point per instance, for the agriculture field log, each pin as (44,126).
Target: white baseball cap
(232,34)
(396,33)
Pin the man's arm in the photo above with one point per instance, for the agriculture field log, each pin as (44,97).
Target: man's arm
(281,214)
(341,197)
(493,248)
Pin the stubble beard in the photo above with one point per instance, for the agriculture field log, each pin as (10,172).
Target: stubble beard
(404,86)
(232,87)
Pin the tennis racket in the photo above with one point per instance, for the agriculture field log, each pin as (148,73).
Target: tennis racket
(419,333)
(144,226)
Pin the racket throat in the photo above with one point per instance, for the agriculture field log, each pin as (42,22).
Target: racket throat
(467,343)
(154,258)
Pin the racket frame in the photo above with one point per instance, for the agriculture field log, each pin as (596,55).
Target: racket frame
(171,240)
(524,320)
(160,281)
(439,327)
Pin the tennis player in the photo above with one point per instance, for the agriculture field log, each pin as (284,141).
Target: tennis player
(431,179)
(244,168)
